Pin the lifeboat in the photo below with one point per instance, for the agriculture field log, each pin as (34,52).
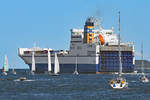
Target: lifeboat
(101,39)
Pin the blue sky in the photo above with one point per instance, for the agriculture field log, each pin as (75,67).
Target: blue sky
(48,22)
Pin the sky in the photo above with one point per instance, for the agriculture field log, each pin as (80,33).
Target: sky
(48,22)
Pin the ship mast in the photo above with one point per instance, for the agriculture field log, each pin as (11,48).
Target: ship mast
(120,64)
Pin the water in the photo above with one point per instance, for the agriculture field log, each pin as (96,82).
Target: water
(71,87)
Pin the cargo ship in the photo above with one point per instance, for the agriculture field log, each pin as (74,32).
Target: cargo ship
(92,49)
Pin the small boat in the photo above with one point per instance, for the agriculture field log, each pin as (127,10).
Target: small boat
(119,82)
(5,67)
(56,66)
(143,78)
(21,79)
(13,71)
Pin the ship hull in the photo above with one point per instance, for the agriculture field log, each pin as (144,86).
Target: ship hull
(107,62)
(68,68)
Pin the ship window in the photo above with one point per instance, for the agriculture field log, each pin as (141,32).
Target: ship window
(108,32)
(78,36)
(76,41)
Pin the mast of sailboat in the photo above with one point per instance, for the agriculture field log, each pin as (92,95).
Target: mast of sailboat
(142,66)
(120,64)
(49,61)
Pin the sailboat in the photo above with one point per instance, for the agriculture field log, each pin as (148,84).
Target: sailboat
(13,71)
(119,82)
(5,67)
(76,68)
(56,66)
(143,77)
(49,63)
(33,59)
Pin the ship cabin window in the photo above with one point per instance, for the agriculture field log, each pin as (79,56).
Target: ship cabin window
(78,36)
(76,41)
(108,32)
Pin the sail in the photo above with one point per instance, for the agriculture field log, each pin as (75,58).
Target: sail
(56,67)
(49,61)
(33,62)
(6,64)
(3,69)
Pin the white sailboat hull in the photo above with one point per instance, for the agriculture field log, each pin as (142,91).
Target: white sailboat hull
(119,85)
(144,79)
(4,73)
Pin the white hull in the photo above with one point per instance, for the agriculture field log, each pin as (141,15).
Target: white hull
(62,60)
(119,85)
(144,79)
(4,73)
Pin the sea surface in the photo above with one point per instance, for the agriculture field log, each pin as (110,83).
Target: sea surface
(71,87)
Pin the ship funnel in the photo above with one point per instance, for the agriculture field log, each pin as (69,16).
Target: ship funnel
(88,30)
